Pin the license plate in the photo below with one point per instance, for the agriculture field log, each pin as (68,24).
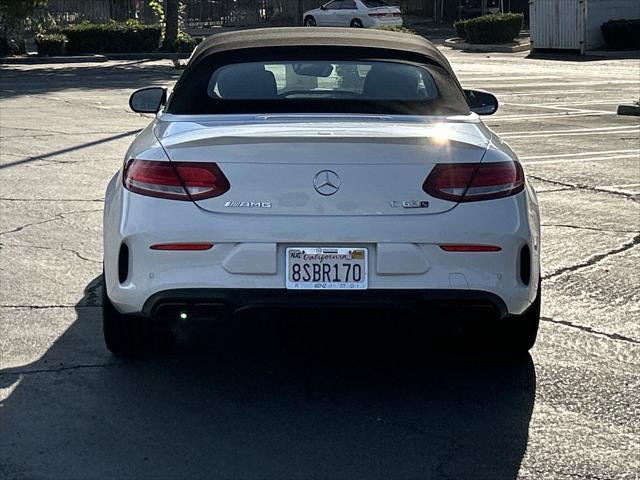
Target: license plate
(310,268)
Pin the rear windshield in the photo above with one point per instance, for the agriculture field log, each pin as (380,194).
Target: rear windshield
(374,3)
(330,80)
(311,83)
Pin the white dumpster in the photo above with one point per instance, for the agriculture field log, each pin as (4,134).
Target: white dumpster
(575,24)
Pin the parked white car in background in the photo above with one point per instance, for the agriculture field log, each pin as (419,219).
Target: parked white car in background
(353,13)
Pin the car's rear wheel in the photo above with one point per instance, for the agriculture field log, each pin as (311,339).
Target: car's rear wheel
(134,335)
(527,333)
(520,332)
(356,23)
(310,21)
(512,335)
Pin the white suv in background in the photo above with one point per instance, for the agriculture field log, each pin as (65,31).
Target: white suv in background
(353,13)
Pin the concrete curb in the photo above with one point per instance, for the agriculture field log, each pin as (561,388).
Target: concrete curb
(36,60)
(460,44)
(629,109)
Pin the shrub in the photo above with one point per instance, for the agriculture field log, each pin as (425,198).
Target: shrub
(621,34)
(113,37)
(185,43)
(395,28)
(51,44)
(461,28)
(494,28)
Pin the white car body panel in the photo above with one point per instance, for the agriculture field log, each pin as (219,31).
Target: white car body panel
(333,17)
(277,157)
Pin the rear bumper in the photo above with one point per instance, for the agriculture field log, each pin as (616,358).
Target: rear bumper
(248,256)
(391,21)
(427,303)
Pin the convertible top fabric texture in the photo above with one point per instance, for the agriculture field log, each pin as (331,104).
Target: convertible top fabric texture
(190,95)
(320,37)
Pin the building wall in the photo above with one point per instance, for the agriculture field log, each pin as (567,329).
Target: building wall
(601,11)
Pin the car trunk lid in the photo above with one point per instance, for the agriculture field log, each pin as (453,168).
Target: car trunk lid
(322,166)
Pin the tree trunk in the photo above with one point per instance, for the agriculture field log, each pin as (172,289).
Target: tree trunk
(171,24)
(299,12)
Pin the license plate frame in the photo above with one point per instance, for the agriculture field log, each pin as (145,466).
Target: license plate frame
(349,278)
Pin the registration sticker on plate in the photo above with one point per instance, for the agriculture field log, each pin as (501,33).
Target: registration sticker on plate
(311,268)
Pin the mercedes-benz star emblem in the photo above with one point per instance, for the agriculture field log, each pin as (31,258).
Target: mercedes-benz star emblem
(326,182)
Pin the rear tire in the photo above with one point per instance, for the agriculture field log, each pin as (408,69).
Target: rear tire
(521,331)
(309,21)
(134,335)
(356,23)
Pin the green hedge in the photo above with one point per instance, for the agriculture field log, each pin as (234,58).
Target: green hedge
(51,44)
(493,28)
(395,28)
(621,34)
(461,28)
(185,43)
(113,37)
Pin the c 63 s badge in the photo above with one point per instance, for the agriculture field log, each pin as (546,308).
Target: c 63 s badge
(409,204)
(248,204)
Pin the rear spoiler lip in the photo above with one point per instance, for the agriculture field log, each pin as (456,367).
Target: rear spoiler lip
(195,130)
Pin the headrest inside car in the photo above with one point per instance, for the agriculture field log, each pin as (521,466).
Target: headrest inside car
(246,82)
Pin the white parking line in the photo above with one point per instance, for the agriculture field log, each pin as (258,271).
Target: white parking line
(581,154)
(558,92)
(588,102)
(553,107)
(567,84)
(630,189)
(572,130)
(623,185)
(632,130)
(584,160)
(502,79)
(548,115)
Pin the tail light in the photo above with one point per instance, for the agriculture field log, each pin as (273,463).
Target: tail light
(377,15)
(471,182)
(175,180)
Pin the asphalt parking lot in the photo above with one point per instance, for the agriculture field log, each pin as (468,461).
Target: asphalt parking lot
(319,401)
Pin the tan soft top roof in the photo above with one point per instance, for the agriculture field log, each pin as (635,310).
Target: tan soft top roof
(319,37)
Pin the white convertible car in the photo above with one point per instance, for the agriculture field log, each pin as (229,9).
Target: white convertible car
(353,13)
(318,168)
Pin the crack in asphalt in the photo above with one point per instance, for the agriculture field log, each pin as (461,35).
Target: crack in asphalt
(57,216)
(48,133)
(86,105)
(571,186)
(17,371)
(553,190)
(584,328)
(5,199)
(45,307)
(62,249)
(595,259)
(578,227)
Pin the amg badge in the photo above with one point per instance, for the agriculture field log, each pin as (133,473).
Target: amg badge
(248,204)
